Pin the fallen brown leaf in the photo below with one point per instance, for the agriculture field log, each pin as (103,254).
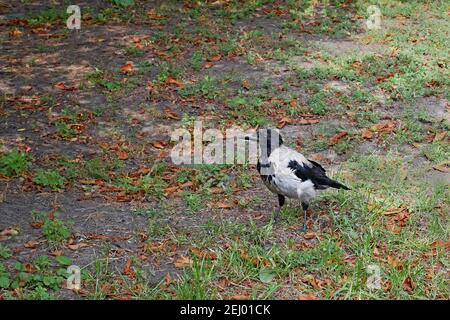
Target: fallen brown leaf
(186,184)
(62,86)
(168,279)
(441,244)
(32,244)
(336,138)
(154,246)
(392,211)
(122,155)
(239,297)
(366,133)
(282,123)
(246,84)
(215,58)
(307,296)
(127,68)
(8,233)
(15,33)
(395,262)
(439,136)
(309,235)
(174,81)
(171,115)
(216,190)
(158,144)
(384,127)
(57,253)
(307,121)
(128,270)
(221,205)
(171,189)
(183,262)
(408,285)
(310,279)
(202,254)
(77,246)
(442,167)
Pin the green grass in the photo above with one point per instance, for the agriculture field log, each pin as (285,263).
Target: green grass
(53,229)
(51,15)
(5,252)
(206,87)
(38,283)
(49,178)
(437,151)
(64,130)
(13,163)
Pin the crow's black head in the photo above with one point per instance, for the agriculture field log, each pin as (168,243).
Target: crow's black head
(270,135)
(269,140)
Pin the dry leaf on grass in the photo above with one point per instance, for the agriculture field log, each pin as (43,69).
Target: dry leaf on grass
(183,262)
(307,296)
(239,297)
(122,155)
(158,144)
(171,115)
(408,285)
(395,262)
(171,189)
(203,254)
(309,235)
(127,68)
(128,270)
(385,127)
(32,244)
(62,86)
(221,205)
(174,81)
(215,58)
(77,246)
(336,138)
(8,233)
(439,136)
(442,167)
(216,190)
(366,133)
(307,121)
(282,123)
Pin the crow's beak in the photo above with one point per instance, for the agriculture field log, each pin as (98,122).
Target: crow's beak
(249,137)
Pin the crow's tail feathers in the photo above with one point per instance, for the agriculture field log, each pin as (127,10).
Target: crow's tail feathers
(337,185)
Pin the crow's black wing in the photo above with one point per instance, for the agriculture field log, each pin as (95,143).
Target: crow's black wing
(315,173)
(317,165)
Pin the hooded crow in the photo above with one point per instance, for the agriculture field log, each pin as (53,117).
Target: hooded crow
(287,172)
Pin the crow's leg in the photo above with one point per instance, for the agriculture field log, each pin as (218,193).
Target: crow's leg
(281,201)
(305,207)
